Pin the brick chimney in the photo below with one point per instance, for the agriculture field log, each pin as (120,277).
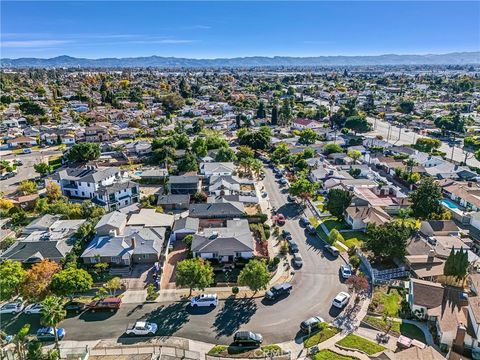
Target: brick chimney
(133,242)
(458,342)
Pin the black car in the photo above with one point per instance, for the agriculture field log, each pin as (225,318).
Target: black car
(286,234)
(75,306)
(278,290)
(291,199)
(293,247)
(311,229)
(247,338)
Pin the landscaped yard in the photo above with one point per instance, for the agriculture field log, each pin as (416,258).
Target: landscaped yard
(330,355)
(320,336)
(397,328)
(352,341)
(354,238)
(386,303)
(320,231)
(331,223)
(244,352)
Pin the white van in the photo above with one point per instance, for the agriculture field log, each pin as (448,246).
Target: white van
(204,300)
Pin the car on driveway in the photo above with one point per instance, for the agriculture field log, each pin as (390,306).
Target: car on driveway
(11,308)
(341,300)
(280,218)
(247,338)
(311,324)
(75,306)
(201,300)
(112,304)
(48,334)
(332,250)
(297,261)
(277,291)
(345,271)
(304,221)
(286,234)
(33,309)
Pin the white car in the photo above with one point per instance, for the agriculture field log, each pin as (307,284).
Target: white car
(346,271)
(142,328)
(341,300)
(204,300)
(11,308)
(33,309)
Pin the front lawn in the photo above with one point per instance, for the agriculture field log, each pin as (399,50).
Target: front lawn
(330,355)
(320,336)
(319,229)
(354,238)
(352,341)
(386,303)
(243,352)
(331,223)
(397,328)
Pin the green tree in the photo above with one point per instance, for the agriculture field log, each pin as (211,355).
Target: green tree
(303,188)
(457,264)
(226,155)
(427,144)
(426,199)
(172,102)
(27,187)
(113,285)
(199,147)
(194,273)
(20,339)
(245,151)
(83,152)
(335,236)
(187,163)
(338,201)
(256,139)
(354,154)
(357,124)
(281,154)
(261,111)
(31,108)
(255,275)
(12,276)
(71,280)
(406,106)
(42,168)
(53,313)
(332,148)
(187,240)
(387,241)
(274,115)
(307,137)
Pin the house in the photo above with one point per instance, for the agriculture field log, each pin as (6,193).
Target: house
(217,169)
(185,226)
(155,176)
(423,296)
(103,185)
(96,134)
(225,243)
(302,124)
(358,217)
(118,243)
(439,228)
(138,148)
(151,218)
(21,141)
(174,202)
(218,210)
(48,237)
(465,194)
(230,185)
(185,184)
(425,266)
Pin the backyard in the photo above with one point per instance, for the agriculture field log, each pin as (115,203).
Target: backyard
(397,328)
(386,302)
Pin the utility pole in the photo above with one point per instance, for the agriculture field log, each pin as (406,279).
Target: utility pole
(453,147)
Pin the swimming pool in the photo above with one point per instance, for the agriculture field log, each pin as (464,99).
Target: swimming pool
(137,173)
(449,203)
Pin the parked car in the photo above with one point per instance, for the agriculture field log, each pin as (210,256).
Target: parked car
(11,308)
(18,162)
(286,234)
(142,328)
(280,219)
(48,334)
(297,261)
(277,291)
(264,194)
(283,181)
(111,303)
(204,300)
(75,306)
(27,151)
(345,271)
(341,300)
(311,324)
(311,229)
(332,250)
(248,338)
(291,199)
(33,309)
(293,246)
(304,221)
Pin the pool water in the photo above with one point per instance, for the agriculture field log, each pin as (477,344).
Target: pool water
(449,203)
(137,173)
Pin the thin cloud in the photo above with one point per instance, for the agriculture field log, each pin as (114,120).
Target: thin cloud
(32,43)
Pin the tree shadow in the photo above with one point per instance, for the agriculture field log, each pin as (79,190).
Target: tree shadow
(233,314)
(90,316)
(169,318)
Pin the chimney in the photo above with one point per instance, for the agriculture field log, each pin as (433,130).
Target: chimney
(431,255)
(462,299)
(458,342)
(112,233)
(469,184)
(133,242)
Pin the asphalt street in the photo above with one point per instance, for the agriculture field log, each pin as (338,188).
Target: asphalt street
(403,136)
(314,287)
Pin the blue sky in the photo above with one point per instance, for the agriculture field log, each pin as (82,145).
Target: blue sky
(200,29)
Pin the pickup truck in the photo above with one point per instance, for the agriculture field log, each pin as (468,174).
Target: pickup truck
(142,328)
(111,304)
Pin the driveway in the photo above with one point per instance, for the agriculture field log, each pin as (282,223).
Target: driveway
(314,287)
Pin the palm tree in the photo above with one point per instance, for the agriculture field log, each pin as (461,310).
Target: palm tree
(257,167)
(246,163)
(403,215)
(20,341)
(53,312)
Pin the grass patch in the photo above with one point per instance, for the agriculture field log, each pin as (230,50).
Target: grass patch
(386,303)
(352,341)
(332,223)
(397,328)
(229,277)
(320,336)
(354,238)
(217,349)
(330,355)
(243,351)
(271,348)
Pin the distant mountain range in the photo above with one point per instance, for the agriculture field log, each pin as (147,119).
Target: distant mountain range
(459,58)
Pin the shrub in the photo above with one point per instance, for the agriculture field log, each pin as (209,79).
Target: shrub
(152,293)
(235,290)
(354,261)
